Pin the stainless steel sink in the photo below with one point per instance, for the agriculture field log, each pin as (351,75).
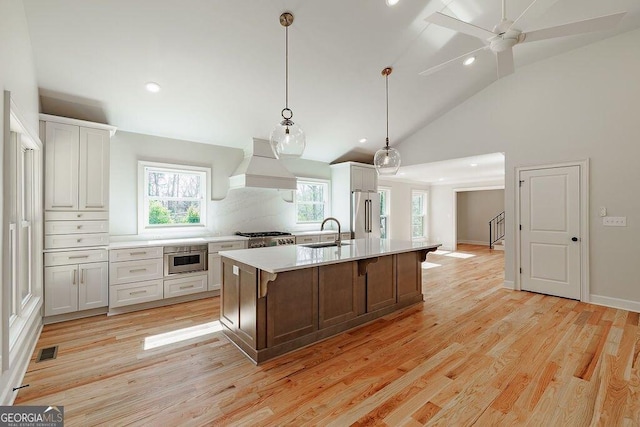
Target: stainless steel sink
(324,245)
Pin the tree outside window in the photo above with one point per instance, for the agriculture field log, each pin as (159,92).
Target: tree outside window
(312,201)
(385,204)
(174,196)
(418,215)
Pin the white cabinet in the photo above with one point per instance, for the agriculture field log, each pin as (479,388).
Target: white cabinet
(215,261)
(76,168)
(135,276)
(307,239)
(346,178)
(364,178)
(185,285)
(74,287)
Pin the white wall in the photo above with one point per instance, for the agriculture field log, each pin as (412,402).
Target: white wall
(17,75)
(400,212)
(474,210)
(579,105)
(442,223)
(230,211)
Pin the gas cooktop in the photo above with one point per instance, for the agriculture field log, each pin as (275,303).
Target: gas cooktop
(263,234)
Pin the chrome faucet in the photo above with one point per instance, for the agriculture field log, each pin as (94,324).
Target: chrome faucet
(338,239)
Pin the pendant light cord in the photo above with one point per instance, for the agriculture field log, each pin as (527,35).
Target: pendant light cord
(286,67)
(386,79)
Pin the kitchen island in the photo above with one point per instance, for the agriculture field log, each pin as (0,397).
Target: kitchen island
(278,299)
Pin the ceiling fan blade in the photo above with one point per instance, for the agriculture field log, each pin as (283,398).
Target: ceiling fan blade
(535,9)
(504,61)
(579,27)
(445,64)
(457,25)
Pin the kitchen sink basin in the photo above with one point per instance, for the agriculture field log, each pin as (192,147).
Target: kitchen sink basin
(324,245)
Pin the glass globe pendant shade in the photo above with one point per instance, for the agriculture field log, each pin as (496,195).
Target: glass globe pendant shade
(387,161)
(288,140)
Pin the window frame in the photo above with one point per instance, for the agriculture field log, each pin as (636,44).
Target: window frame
(425,199)
(327,201)
(143,197)
(387,213)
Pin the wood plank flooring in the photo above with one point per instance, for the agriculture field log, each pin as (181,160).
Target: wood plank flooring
(472,353)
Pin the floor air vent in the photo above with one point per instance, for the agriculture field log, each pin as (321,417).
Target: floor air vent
(47,353)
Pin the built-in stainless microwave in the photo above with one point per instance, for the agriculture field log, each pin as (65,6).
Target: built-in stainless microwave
(184,259)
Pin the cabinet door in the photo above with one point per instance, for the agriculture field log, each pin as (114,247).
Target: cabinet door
(93,184)
(337,296)
(357,178)
(93,291)
(409,268)
(369,179)
(61,167)
(215,272)
(381,284)
(292,306)
(60,290)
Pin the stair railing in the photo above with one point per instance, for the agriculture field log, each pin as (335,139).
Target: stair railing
(496,229)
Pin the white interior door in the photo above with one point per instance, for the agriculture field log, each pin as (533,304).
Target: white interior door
(550,231)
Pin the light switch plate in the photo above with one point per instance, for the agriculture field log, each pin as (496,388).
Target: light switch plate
(236,270)
(615,221)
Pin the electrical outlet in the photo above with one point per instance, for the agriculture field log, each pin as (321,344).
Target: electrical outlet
(603,211)
(615,221)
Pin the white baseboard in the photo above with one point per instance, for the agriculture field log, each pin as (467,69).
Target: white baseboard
(21,356)
(615,303)
(474,242)
(509,284)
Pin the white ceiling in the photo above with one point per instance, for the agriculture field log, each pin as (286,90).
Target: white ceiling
(221,64)
(486,167)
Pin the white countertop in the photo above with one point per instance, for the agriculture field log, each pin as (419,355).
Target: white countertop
(276,259)
(184,241)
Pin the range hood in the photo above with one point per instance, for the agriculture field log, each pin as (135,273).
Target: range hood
(261,169)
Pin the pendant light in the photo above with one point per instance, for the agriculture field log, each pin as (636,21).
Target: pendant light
(287,139)
(387,159)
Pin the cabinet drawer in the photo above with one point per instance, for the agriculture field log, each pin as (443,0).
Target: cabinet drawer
(58,241)
(75,216)
(307,239)
(345,236)
(185,286)
(136,293)
(226,246)
(75,257)
(75,227)
(328,237)
(132,254)
(135,271)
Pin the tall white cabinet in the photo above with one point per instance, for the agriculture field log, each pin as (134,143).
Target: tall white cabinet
(76,202)
(345,178)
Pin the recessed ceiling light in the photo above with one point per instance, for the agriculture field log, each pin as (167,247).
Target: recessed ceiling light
(473,165)
(440,179)
(470,60)
(392,2)
(152,87)
(362,140)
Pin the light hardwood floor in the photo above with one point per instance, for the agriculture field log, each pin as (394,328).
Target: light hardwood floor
(472,353)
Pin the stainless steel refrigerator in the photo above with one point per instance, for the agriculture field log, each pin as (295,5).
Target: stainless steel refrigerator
(365,211)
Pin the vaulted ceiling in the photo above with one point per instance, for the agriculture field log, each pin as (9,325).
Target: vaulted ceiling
(221,64)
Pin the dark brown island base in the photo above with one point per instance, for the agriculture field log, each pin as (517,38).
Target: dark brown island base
(278,299)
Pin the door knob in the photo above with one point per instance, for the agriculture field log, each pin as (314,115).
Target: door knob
(574,239)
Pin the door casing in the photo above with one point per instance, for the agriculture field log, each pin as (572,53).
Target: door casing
(584,222)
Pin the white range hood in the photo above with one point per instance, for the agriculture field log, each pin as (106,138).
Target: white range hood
(261,169)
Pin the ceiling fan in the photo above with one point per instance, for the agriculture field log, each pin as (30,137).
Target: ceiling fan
(506,34)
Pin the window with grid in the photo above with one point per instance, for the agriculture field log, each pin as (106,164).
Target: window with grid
(418,215)
(173,195)
(312,201)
